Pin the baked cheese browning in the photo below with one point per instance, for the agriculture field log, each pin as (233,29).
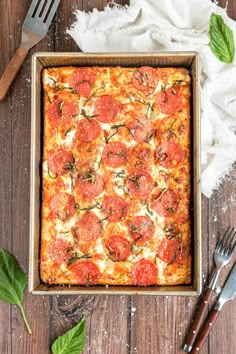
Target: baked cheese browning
(116,176)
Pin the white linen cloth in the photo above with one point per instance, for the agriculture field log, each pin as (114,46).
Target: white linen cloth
(157,25)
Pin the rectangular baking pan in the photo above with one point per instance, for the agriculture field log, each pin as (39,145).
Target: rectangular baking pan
(189,60)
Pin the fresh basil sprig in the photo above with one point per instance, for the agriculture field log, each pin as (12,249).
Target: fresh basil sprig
(221,39)
(12,282)
(72,342)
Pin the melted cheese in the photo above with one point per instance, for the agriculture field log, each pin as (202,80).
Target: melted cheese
(118,83)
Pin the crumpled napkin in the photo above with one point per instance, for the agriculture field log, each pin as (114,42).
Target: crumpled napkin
(157,25)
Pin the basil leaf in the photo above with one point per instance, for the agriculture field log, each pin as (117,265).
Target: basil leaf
(12,282)
(72,342)
(221,39)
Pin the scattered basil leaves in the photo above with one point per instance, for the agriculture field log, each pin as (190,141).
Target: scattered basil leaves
(72,342)
(13,282)
(221,39)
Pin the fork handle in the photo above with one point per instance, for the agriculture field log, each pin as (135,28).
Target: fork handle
(198,320)
(206,330)
(11,71)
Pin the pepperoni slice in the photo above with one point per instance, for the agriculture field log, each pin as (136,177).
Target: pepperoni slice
(88,228)
(62,206)
(69,109)
(115,208)
(86,272)
(106,107)
(165,203)
(54,111)
(61,112)
(141,130)
(170,251)
(88,130)
(169,101)
(119,248)
(145,79)
(144,273)
(140,184)
(58,250)
(60,162)
(141,228)
(115,154)
(90,185)
(170,154)
(82,81)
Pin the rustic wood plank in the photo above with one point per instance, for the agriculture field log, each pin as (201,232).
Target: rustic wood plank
(195,303)
(6,25)
(222,214)
(67,312)
(109,325)
(89,5)
(65,17)
(231,7)
(37,308)
(106,321)
(160,324)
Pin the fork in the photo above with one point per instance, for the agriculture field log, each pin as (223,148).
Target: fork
(35,27)
(222,255)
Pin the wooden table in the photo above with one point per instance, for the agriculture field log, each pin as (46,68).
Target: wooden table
(115,324)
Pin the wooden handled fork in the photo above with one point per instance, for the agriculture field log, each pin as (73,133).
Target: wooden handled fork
(35,27)
(222,255)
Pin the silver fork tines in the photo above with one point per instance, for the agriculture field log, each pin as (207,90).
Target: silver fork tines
(224,246)
(232,248)
(46,9)
(52,12)
(37,21)
(223,253)
(39,9)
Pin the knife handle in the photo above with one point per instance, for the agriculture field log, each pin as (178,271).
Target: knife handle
(206,330)
(198,320)
(11,71)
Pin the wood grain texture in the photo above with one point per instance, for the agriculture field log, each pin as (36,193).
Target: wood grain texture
(6,25)
(223,210)
(114,324)
(11,71)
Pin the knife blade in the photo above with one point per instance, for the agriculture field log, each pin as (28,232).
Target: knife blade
(229,290)
(228,293)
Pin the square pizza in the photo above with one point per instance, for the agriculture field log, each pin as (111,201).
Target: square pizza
(116,176)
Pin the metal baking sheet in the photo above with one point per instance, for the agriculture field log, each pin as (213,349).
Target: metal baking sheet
(189,60)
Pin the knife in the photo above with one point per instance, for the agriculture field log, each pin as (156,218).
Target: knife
(227,294)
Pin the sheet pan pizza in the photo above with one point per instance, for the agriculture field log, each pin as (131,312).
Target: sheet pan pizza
(116,176)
